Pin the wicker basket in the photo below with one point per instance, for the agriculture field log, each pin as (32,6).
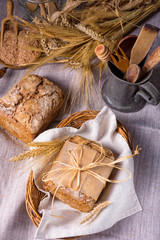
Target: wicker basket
(33,195)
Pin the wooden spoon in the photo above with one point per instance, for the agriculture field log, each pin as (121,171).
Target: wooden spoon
(151,62)
(133,73)
(143,43)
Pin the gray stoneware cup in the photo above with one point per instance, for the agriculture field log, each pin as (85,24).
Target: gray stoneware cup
(125,96)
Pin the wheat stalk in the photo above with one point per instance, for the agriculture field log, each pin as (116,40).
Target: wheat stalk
(91,33)
(28,154)
(96,210)
(70,5)
(64,20)
(44,149)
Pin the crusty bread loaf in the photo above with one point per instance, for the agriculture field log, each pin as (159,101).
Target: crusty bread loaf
(76,199)
(30,106)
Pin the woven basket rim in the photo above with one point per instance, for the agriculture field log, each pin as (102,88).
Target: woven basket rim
(75,119)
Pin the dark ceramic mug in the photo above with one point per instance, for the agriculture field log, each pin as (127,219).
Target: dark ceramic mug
(125,96)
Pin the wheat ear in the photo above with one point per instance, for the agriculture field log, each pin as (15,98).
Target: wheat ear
(41,148)
(96,210)
(28,154)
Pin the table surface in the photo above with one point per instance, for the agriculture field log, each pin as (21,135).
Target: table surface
(144,128)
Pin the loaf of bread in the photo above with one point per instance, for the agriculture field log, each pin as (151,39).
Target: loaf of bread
(84,198)
(30,106)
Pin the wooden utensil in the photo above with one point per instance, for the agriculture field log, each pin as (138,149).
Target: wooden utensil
(51,8)
(102,52)
(133,73)
(13,66)
(8,65)
(31,6)
(3,71)
(43,9)
(151,62)
(143,43)
(22,66)
(123,62)
(10,19)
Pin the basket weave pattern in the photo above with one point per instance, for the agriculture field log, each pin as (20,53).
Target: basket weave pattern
(33,195)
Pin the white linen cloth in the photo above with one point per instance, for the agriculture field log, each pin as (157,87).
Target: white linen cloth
(122,195)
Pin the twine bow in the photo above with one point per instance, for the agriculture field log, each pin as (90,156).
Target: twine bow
(76,169)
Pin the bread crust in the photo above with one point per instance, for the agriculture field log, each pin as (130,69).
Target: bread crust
(30,106)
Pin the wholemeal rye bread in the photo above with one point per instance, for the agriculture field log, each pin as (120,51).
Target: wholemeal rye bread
(30,106)
(76,199)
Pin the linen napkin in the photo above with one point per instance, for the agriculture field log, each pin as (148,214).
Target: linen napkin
(122,195)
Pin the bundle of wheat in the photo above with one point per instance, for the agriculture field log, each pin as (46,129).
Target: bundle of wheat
(71,34)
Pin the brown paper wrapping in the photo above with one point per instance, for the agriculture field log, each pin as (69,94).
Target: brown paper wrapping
(89,185)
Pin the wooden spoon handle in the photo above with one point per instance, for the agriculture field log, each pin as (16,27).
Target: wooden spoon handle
(10,7)
(51,8)
(43,10)
(152,61)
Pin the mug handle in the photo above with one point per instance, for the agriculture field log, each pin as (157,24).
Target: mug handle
(149,92)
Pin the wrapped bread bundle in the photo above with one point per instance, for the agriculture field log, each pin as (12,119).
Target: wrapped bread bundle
(79,173)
